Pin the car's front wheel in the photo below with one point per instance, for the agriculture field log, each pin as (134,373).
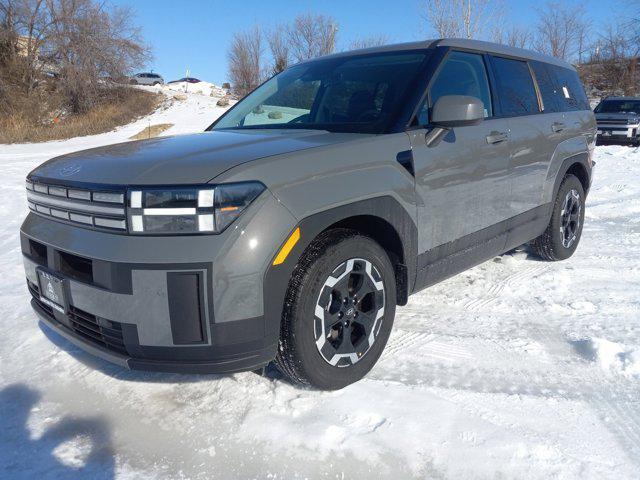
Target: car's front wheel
(561,238)
(338,311)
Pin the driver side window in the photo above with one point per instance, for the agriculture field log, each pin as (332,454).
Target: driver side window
(462,74)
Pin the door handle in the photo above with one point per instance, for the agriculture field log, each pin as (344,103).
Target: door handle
(558,127)
(497,137)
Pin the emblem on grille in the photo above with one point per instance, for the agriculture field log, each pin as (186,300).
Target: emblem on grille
(51,292)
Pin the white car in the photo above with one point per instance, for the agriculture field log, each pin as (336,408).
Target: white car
(146,79)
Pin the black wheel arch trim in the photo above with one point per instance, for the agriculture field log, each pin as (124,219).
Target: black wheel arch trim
(386,208)
(583,160)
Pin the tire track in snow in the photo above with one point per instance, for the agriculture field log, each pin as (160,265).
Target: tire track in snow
(494,291)
(403,340)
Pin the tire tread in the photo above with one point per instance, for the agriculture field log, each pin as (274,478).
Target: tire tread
(286,358)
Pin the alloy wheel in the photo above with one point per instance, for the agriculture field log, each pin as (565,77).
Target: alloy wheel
(570,218)
(349,311)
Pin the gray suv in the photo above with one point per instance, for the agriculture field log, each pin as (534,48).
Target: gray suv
(619,120)
(291,229)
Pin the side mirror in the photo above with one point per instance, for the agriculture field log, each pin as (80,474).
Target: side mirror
(457,111)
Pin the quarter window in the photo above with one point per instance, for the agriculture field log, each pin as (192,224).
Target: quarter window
(571,90)
(551,95)
(515,87)
(462,74)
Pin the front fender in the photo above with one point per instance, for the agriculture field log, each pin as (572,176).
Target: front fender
(276,280)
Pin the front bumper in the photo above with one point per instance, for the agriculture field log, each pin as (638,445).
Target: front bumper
(175,303)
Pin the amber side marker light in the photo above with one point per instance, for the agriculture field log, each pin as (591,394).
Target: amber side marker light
(287,247)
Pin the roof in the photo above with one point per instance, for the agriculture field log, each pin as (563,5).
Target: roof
(478,45)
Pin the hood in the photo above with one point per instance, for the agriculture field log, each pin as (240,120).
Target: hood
(604,116)
(184,159)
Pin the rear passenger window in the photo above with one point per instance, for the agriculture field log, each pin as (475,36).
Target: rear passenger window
(515,87)
(462,74)
(571,90)
(550,93)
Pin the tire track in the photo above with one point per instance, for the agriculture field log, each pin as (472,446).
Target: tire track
(403,339)
(494,291)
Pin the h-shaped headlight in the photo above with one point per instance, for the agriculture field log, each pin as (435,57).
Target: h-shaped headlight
(188,210)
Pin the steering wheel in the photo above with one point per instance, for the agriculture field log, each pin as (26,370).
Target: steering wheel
(368,115)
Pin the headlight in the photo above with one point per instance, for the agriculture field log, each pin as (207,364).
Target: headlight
(189,210)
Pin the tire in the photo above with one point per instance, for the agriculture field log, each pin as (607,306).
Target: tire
(316,347)
(562,236)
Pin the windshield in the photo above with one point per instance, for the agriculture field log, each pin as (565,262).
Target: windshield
(618,106)
(350,94)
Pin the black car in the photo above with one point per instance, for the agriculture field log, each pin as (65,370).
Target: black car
(187,80)
(619,120)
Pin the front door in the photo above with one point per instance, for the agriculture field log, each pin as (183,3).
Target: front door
(462,183)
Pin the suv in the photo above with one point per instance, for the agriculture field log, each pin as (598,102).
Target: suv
(292,228)
(146,79)
(619,120)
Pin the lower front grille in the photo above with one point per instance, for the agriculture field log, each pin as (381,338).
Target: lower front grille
(96,330)
(103,332)
(35,293)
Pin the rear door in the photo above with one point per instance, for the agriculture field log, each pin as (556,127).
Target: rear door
(462,183)
(534,134)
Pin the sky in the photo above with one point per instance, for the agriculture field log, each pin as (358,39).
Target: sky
(195,34)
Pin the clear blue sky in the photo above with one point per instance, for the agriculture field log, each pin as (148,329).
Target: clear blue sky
(195,34)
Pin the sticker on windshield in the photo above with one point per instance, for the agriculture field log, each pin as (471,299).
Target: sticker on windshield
(566,92)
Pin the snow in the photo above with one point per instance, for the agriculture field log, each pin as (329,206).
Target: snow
(514,369)
(202,88)
(612,357)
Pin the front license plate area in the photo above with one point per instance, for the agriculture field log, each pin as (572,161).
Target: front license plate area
(52,291)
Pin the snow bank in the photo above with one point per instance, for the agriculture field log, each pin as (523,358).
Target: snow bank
(202,88)
(614,357)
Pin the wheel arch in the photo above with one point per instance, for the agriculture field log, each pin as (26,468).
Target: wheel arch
(579,170)
(578,165)
(381,218)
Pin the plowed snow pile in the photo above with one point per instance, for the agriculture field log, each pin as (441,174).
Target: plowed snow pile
(514,369)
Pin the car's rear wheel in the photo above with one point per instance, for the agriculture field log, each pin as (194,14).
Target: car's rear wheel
(561,238)
(338,311)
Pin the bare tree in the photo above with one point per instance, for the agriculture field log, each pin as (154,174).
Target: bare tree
(367,42)
(278,44)
(634,23)
(82,42)
(514,36)
(461,18)
(562,30)
(244,56)
(312,36)
(90,43)
(613,65)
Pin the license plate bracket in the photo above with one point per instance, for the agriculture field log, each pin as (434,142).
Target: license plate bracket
(52,290)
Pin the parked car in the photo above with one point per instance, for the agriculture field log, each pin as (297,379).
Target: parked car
(619,120)
(187,80)
(293,237)
(146,79)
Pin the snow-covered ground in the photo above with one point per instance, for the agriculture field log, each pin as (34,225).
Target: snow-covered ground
(202,88)
(514,369)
